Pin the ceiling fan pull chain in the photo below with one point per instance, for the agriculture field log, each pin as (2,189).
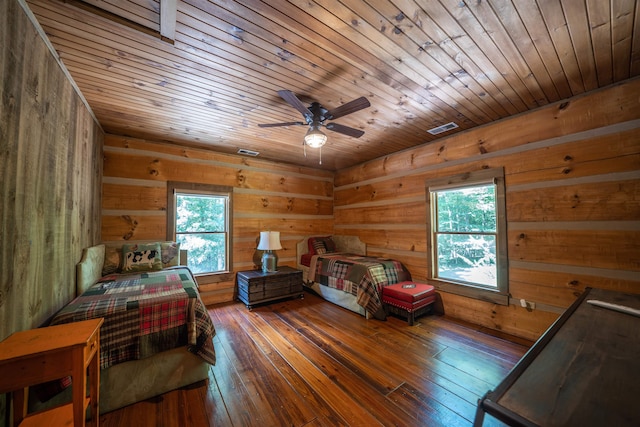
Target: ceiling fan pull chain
(320,155)
(304,147)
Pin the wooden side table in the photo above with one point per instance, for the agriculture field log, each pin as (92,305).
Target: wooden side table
(46,354)
(255,286)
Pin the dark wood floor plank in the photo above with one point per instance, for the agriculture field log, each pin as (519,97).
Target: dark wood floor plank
(310,363)
(459,371)
(214,403)
(358,383)
(238,400)
(274,401)
(324,381)
(461,335)
(429,412)
(324,412)
(383,357)
(294,395)
(331,342)
(476,364)
(419,363)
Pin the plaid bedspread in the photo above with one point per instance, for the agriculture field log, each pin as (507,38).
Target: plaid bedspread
(359,275)
(145,313)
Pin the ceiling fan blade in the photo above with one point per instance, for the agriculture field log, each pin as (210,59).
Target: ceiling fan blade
(273,125)
(346,130)
(349,107)
(293,100)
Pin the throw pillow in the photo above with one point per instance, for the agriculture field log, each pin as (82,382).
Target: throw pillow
(170,254)
(329,244)
(141,257)
(112,260)
(319,247)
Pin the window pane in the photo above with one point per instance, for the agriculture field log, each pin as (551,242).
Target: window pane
(467,209)
(468,258)
(196,213)
(206,252)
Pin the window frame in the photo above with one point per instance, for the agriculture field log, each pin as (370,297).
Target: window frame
(173,189)
(499,295)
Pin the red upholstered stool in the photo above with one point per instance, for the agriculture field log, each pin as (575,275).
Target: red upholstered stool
(409,299)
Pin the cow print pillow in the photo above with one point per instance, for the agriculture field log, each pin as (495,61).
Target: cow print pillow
(141,257)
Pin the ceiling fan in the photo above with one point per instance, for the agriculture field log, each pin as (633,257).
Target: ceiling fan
(315,115)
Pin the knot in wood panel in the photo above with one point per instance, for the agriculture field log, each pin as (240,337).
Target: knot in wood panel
(152,168)
(240,178)
(575,201)
(132,223)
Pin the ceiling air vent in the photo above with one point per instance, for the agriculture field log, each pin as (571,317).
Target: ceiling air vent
(442,128)
(247,152)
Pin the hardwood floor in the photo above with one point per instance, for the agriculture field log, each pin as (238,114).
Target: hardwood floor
(310,363)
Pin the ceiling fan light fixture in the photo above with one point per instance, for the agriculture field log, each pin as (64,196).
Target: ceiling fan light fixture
(315,138)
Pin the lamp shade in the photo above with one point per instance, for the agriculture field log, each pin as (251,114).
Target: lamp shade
(269,241)
(315,138)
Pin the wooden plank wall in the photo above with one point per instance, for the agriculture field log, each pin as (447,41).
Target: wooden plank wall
(573,203)
(267,196)
(50,175)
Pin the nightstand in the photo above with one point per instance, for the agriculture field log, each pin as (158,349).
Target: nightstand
(255,286)
(46,354)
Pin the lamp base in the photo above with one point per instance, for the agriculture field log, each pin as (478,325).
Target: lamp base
(269,262)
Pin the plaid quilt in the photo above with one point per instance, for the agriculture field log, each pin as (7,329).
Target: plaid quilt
(358,275)
(145,313)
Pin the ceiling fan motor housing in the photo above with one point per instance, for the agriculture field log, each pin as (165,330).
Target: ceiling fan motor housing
(318,115)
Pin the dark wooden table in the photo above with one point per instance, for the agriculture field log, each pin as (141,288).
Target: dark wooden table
(584,371)
(257,287)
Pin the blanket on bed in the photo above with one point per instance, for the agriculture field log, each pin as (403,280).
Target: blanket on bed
(145,313)
(359,275)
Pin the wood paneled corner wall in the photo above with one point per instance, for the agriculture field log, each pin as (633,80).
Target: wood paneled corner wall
(572,173)
(267,196)
(50,175)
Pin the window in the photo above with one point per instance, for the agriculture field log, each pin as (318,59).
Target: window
(467,237)
(199,218)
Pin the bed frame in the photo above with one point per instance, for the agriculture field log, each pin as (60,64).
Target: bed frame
(136,380)
(351,244)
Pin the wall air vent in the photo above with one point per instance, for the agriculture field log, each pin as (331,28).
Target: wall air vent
(247,152)
(442,128)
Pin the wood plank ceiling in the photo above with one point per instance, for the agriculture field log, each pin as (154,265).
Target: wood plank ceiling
(213,74)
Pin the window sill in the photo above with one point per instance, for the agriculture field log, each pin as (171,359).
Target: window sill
(215,277)
(469,291)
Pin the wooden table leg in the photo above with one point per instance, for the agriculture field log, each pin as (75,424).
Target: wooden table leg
(94,379)
(79,388)
(19,405)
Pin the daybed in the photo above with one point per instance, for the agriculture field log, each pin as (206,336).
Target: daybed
(337,269)
(157,335)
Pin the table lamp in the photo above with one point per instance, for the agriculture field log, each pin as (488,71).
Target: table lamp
(269,242)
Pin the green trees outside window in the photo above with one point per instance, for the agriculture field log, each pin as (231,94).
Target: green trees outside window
(200,218)
(201,229)
(465,234)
